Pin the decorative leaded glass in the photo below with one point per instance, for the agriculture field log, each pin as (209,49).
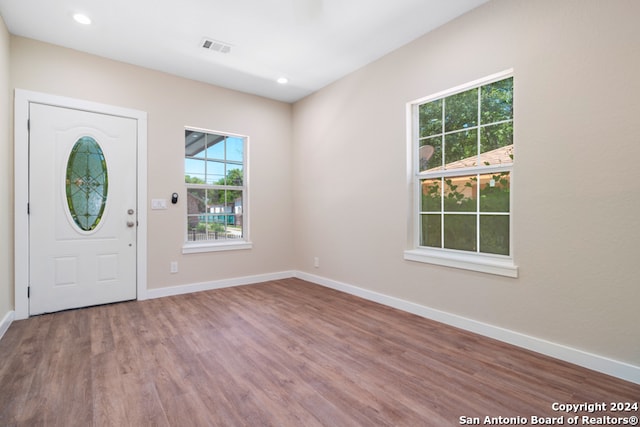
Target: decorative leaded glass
(87,183)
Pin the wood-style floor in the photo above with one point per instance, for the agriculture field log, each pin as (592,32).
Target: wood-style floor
(282,353)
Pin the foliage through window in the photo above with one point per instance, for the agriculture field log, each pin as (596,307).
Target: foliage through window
(464,158)
(216,189)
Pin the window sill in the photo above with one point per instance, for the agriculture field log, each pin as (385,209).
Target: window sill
(195,248)
(484,264)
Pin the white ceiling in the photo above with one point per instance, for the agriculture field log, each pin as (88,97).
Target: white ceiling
(311,42)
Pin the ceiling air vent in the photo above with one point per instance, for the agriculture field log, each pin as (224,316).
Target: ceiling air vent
(216,45)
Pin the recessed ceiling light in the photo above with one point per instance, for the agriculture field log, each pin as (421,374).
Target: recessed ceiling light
(283,80)
(82,19)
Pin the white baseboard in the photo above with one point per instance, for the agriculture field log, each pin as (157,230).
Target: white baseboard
(6,322)
(591,361)
(216,284)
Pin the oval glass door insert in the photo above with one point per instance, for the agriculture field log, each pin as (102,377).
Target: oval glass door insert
(87,183)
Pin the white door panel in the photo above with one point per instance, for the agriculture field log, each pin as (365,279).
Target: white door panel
(72,267)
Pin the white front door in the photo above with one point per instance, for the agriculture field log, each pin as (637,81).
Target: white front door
(82,208)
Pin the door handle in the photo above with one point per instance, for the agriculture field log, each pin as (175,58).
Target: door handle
(130,223)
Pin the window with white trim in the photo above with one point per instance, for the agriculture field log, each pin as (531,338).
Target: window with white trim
(462,149)
(215,179)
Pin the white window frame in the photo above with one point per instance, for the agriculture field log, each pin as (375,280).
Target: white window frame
(190,247)
(502,265)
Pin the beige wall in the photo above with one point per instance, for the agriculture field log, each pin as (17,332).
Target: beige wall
(172,103)
(576,179)
(6,179)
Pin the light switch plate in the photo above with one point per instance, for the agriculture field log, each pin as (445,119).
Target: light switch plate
(158,204)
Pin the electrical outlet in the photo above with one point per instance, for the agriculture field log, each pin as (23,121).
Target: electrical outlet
(174,267)
(316,262)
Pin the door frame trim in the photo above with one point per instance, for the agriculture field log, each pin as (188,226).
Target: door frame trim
(23,98)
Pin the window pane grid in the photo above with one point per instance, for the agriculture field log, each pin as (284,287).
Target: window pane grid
(464,166)
(489,231)
(442,132)
(214,178)
(216,187)
(482,136)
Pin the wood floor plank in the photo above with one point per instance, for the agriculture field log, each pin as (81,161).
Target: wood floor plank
(65,374)
(20,353)
(279,384)
(330,364)
(280,353)
(109,408)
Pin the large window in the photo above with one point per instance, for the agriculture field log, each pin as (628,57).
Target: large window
(462,144)
(215,177)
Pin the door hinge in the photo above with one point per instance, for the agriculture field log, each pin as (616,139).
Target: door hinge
(28,291)
(29,124)
(28,209)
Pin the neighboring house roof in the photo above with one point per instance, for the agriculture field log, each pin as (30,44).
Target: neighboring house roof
(494,157)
